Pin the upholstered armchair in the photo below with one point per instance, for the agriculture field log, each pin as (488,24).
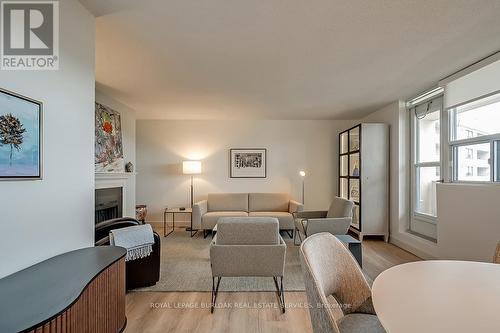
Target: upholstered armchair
(139,273)
(336,287)
(248,246)
(336,220)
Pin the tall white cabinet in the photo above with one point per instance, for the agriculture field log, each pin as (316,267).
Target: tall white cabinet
(364,177)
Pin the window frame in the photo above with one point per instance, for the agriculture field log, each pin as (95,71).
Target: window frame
(453,145)
(414,154)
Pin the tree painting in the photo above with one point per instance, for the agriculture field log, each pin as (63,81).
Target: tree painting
(11,133)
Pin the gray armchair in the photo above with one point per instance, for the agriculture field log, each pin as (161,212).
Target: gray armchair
(248,246)
(338,290)
(336,220)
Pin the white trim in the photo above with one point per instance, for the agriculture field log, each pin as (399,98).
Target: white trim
(114,175)
(399,241)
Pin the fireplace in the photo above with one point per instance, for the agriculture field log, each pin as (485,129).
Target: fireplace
(108,203)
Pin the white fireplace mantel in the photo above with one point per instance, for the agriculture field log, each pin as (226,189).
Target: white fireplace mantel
(113,175)
(125,180)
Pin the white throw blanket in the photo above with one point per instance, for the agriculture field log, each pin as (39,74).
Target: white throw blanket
(138,240)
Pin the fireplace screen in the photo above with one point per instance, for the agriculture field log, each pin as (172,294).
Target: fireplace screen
(108,204)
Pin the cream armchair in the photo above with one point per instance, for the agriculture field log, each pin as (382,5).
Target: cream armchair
(248,246)
(336,220)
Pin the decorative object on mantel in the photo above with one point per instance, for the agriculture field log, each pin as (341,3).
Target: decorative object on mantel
(20,137)
(129,167)
(108,140)
(248,163)
(141,211)
(191,168)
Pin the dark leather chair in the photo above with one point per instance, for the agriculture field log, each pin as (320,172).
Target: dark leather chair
(139,273)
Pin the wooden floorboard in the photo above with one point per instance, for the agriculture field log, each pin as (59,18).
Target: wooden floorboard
(242,311)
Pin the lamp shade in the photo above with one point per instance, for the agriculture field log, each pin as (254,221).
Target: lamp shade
(191,167)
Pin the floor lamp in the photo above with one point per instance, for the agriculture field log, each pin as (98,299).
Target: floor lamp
(302,174)
(191,168)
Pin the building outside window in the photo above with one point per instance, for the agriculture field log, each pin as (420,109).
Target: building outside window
(474,138)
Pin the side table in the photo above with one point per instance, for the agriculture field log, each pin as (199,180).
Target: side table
(354,246)
(175,211)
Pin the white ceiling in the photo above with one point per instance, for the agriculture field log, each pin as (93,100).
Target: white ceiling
(283,59)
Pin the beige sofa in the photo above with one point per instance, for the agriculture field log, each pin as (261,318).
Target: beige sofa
(206,213)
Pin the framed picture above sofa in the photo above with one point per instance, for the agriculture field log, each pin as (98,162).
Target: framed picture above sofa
(248,163)
(20,137)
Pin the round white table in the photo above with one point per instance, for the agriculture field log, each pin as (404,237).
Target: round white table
(439,296)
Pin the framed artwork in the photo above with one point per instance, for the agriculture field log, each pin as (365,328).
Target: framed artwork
(20,137)
(248,163)
(108,140)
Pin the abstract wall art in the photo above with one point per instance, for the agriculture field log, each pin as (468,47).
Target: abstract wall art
(108,140)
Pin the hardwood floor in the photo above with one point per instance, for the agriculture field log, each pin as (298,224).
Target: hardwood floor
(243,311)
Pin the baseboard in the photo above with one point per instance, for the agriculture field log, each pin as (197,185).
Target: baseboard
(411,248)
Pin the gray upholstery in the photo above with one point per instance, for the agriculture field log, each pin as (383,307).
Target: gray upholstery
(238,249)
(340,207)
(237,231)
(336,287)
(199,209)
(220,202)
(207,212)
(335,221)
(285,219)
(268,202)
(209,220)
(360,323)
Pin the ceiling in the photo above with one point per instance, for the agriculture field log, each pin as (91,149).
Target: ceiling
(283,59)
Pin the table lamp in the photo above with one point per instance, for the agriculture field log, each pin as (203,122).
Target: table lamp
(191,168)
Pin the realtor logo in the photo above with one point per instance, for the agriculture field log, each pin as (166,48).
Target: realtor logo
(29,35)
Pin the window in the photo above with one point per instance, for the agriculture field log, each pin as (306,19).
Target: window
(426,115)
(474,137)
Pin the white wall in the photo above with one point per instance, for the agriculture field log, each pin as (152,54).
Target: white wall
(468,214)
(40,219)
(162,145)
(128,120)
(468,221)
(396,116)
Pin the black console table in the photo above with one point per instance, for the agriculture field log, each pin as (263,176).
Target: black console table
(78,291)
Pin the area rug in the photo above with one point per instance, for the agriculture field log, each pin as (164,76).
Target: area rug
(185,266)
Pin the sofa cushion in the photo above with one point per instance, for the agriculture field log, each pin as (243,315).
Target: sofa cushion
(247,231)
(268,202)
(209,220)
(285,219)
(219,202)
